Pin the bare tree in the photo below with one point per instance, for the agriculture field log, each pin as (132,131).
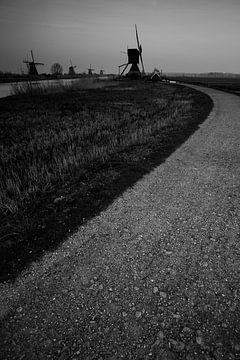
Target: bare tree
(56,69)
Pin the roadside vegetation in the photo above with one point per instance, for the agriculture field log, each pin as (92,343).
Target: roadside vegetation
(65,156)
(34,87)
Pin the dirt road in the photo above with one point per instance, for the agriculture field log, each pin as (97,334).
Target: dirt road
(155,276)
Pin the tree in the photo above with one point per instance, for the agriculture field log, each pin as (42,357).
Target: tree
(56,69)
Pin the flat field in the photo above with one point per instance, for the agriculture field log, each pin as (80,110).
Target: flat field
(64,157)
(228,84)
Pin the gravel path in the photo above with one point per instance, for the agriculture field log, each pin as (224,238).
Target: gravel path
(155,276)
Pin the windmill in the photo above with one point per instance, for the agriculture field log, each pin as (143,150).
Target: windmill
(32,65)
(133,60)
(90,70)
(71,68)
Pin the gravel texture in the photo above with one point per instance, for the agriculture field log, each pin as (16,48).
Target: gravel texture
(155,276)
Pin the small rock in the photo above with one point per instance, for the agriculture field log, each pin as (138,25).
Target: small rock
(163,294)
(124,314)
(155,289)
(173,342)
(181,345)
(138,314)
(237,347)
(186,329)
(60,198)
(100,287)
(176,316)
(136,288)
(199,340)
(160,335)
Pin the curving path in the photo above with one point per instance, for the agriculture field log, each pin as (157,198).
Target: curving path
(155,276)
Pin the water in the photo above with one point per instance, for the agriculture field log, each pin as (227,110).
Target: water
(6,89)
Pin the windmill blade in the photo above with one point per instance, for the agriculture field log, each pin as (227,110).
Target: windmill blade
(137,38)
(25,61)
(32,56)
(142,62)
(139,48)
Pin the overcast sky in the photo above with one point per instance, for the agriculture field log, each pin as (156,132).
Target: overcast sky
(176,35)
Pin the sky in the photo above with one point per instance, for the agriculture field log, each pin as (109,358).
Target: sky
(176,35)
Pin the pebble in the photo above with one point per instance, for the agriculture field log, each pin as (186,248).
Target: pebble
(199,340)
(176,316)
(163,294)
(173,342)
(186,329)
(160,335)
(124,314)
(155,289)
(181,345)
(100,287)
(138,314)
(58,199)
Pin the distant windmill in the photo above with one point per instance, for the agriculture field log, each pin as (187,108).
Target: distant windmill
(32,65)
(90,70)
(133,60)
(71,68)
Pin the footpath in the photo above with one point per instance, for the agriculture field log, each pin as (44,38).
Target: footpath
(155,276)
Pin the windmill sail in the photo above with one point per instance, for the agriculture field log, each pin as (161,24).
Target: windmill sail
(32,69)
(139,48)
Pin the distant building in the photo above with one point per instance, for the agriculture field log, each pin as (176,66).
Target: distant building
(156,76)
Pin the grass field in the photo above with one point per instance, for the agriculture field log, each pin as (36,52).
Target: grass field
(228,84)
(64,157)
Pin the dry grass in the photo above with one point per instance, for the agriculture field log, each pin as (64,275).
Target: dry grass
(35,88)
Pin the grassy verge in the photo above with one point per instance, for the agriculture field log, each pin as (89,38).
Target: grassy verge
(64,157)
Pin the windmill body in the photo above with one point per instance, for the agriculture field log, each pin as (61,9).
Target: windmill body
(133,61)
(32,66)
(71,68)
(90,70)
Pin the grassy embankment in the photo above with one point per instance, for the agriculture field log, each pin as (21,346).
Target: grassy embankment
(66,156)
